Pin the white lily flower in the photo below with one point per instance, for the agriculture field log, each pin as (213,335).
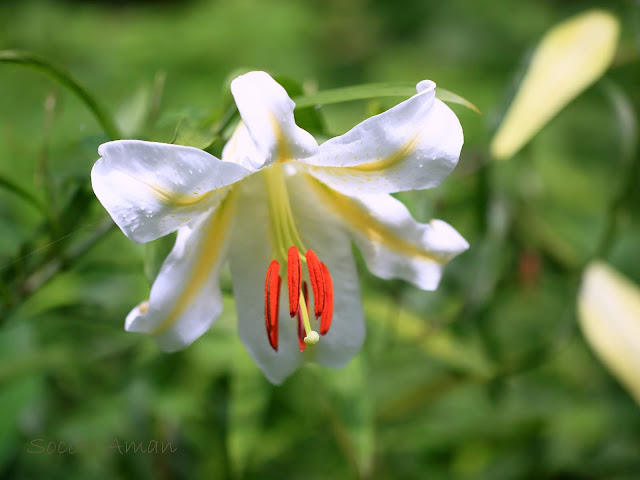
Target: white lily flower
(277,202)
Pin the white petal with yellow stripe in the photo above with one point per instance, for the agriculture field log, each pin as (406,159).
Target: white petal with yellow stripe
(267,111)
(151,189)
(392,243)
(185,297)
(414,145)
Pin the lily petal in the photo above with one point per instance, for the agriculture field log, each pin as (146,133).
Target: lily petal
(250,254)
(267,111)
(609,314)
(240,149)
(185,298)
(322,233)
(393,244)
(151,189)
(414,145)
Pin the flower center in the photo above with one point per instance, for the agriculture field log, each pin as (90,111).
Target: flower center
(288,247)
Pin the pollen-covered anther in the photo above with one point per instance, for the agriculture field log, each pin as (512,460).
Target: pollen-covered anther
(272,285)
(327,311)
(294,278)
(317,281)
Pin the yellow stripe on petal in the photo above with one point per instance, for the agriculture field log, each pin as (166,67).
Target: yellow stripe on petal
(395,158)
(362,221)
(207,257)
(177,200)
(172,199)
(283,152)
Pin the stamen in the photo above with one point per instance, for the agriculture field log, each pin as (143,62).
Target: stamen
(301,333)
(317,282)
(271,302)
(327,312)
(294,275)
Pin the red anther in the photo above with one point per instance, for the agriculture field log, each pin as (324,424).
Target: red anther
(317,282)
(327,312)
(271,302)
(294,275)
(301,334)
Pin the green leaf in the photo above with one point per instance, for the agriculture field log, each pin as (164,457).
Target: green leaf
(438,344)
(65,79)
(358,92)
(308,118)
(448,96)
(77,206)
(250,394)
(195,132)
(16,189)
(18,396)
(201,132)
(351,414)
(570,57)
(132,114)
(374,90)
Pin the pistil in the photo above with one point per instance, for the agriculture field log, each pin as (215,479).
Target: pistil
(311,337)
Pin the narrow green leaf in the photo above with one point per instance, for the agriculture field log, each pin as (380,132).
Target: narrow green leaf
(358,92)
(374,90)
(449,96)
(77,205)
(16,189)
(65,79)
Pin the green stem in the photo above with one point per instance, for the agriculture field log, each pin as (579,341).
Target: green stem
(64,78)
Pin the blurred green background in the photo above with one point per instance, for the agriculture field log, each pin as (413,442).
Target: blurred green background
(489,377)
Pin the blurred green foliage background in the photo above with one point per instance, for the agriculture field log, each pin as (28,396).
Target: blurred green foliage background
(488,377)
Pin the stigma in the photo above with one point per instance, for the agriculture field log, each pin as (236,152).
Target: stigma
(319,278)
